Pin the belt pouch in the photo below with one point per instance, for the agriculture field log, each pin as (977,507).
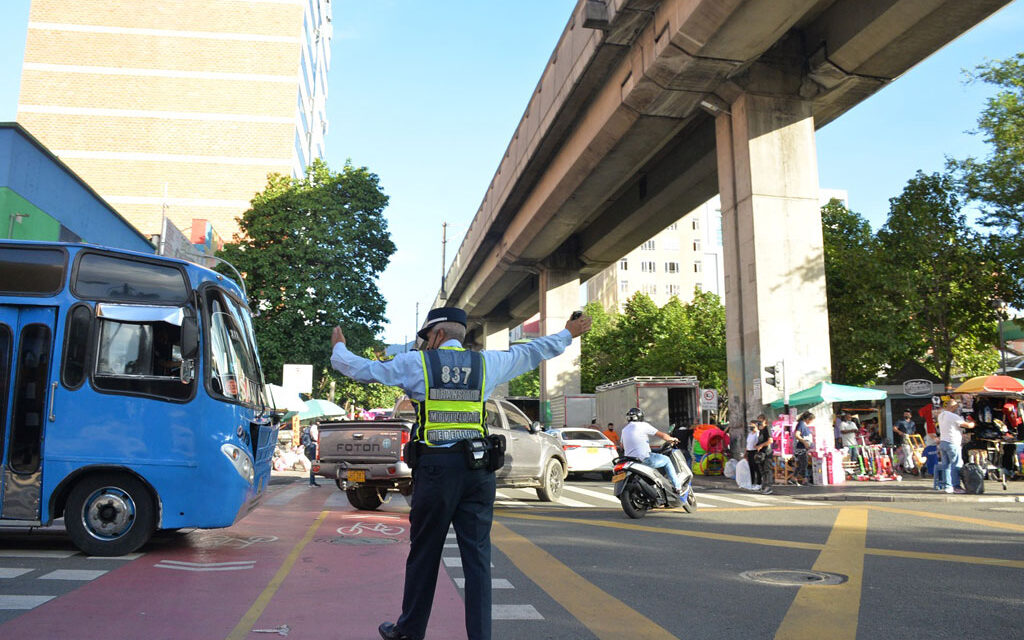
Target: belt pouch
(497,451)
(475,451)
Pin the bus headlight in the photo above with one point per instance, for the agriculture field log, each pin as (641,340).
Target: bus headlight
(241,460)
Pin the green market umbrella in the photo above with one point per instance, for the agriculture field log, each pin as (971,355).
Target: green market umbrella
(827,393)
(316,408)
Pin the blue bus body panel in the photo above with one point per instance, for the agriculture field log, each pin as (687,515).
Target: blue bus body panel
(173,446)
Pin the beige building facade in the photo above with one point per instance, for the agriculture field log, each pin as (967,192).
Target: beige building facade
(178,108)
(685,256)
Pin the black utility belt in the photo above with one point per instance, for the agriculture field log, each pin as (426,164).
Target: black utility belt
(480,453)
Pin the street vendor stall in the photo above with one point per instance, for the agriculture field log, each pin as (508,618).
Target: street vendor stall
(827,460)
(995,442)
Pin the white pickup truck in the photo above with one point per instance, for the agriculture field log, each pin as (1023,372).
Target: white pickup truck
(365,458)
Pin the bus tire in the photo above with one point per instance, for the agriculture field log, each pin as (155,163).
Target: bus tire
(364,498)
(109,514)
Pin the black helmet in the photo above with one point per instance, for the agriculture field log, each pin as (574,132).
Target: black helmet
(634,415)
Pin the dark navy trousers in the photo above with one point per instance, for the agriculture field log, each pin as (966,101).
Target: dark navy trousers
(446,493)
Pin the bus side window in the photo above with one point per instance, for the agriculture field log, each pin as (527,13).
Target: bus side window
(143,358)
(76,344)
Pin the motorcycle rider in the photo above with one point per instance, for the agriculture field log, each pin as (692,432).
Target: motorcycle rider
(635,443)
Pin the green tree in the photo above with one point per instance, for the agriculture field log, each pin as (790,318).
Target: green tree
(677,339)
(997,182)
(527,385)
(865,332)
(311,249)
(942,270)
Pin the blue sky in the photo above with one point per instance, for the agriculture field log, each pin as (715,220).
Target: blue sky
(427,96)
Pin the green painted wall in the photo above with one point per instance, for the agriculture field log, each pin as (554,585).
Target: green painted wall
(37,226)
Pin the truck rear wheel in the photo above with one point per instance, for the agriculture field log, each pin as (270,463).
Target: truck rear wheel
(550,488)
(364,498)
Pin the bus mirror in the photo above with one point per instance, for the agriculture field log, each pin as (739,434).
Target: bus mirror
(189,338)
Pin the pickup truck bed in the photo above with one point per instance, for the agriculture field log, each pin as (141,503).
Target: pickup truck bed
(365,458)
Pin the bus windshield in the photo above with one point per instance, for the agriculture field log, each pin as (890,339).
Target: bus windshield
(234,371)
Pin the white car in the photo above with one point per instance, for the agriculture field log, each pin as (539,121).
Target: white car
(586,449)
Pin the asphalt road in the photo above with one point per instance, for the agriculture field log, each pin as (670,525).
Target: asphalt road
(574,569)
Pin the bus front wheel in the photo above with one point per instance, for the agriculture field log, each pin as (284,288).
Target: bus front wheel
(109,514)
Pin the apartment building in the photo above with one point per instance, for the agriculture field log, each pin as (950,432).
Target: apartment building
(684,257)
(681,258)
(178,109)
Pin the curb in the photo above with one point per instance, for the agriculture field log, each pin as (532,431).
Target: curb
(908,498)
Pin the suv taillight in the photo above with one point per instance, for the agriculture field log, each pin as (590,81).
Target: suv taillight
(406,436)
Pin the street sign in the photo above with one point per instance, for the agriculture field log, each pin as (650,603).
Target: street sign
(709,399)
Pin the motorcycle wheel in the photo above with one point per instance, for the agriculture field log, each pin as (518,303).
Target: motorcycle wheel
(691,502)
(633,502)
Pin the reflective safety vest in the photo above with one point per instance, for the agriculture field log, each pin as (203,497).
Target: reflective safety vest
(454,406)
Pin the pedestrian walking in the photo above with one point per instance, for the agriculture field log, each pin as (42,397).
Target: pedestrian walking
(452,457)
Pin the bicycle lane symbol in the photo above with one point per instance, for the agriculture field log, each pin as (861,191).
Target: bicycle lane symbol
(358,528)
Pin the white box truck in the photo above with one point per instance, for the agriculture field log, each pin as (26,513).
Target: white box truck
(573,410)
(665,401)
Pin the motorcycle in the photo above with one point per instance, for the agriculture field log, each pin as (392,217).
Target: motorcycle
(641,488)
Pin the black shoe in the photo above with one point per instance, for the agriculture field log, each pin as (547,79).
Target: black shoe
(389,631)
(314,484)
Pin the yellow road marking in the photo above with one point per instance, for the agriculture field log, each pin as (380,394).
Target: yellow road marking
(607,617)
(843,553)
(718,537)
(943,557)
(941,516)
(245,625)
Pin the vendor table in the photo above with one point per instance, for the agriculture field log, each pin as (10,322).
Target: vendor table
(992,455)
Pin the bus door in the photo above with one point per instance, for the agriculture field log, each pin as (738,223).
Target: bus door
(26,355)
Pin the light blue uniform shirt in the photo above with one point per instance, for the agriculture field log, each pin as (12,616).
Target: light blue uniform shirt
(406,369)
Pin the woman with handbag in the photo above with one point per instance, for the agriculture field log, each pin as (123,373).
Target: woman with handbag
(755,467)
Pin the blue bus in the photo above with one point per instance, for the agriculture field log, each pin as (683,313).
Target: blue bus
(131,395)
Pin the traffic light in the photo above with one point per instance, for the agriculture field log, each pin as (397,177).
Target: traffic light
(775,375)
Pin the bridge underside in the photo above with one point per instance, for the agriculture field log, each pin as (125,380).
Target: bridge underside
(649,108)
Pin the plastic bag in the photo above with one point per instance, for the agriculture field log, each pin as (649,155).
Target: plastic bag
(743,474)
(730,469)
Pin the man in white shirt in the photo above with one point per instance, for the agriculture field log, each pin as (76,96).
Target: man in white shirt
(636,444)
(951,437)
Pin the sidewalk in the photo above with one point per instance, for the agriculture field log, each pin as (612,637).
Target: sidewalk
(910,489)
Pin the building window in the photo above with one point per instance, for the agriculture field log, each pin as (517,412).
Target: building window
(696,224)
(623,286)
(696,245)
(648,246)
(696,266)
(649,289)
(623,264)
(647,266)
(699,286)
(673,226)
(673,290)
(671,267)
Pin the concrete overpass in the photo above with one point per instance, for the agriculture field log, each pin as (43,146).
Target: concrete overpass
(646,109)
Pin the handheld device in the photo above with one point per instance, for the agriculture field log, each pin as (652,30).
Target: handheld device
(575,315)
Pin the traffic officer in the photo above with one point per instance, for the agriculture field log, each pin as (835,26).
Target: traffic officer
(449,385)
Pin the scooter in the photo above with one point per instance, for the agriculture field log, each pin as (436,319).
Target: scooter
(641,488)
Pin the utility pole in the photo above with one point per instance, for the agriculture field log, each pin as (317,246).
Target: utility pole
(444,244)
(417,327)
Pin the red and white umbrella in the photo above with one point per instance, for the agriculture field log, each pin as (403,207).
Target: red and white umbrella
(991,384)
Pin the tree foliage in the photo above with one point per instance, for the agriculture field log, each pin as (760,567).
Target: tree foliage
(943,271)
(997,182)
(311,249)
(527,385)
(677,339)
(865,334)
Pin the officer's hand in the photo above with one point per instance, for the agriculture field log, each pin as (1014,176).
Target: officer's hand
(336,337)
(579,326)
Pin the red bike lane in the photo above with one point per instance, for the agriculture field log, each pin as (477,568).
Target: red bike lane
(323,571)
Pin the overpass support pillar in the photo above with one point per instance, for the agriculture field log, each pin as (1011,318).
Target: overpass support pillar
(559,297)
(776,308)
(495,335)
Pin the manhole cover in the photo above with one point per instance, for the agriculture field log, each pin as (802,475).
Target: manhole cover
(791,578)
(357,541)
